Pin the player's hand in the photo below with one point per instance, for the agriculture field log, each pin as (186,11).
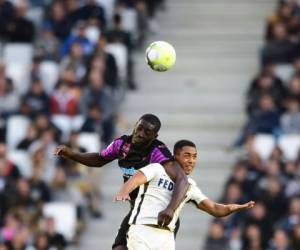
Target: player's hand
(243,207)
(165,217)
(63,151)
(121,197)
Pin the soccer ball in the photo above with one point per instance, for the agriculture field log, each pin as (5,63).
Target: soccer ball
(160,56)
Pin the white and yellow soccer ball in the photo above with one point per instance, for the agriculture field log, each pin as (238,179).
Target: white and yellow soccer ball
(160,56)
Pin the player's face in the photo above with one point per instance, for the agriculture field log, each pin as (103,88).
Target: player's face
(187,158)
(144,133)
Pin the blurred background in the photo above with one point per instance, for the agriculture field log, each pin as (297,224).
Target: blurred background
(73,72)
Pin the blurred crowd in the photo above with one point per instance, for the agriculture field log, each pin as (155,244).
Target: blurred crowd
(65,68)
(268,171)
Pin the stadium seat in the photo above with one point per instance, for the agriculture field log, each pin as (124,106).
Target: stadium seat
(17,126)
(264,144)
(22,159)
(290,146)
(49,72)
(77,122)
(284,71)
(89,141)
(64,123)
(19,73)
(119,51)
(64,215)
(21,53)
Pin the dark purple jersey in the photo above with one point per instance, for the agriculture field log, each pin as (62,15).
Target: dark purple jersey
(131,158)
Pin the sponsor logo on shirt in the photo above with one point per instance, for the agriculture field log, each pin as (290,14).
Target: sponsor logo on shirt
(128,172)
(166,184)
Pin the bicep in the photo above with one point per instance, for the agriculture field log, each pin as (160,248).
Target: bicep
(138,179)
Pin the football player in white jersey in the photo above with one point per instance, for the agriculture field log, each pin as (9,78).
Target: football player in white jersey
(155,192)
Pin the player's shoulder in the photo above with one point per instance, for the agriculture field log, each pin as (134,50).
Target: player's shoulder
(159,144)
(157,166)
(192,181)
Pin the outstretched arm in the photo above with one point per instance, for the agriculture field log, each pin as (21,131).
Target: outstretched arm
(221,210)
(135,181)
(181,186)
(88,159)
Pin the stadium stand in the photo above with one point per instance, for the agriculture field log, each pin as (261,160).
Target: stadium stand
(65,69)
(268,171)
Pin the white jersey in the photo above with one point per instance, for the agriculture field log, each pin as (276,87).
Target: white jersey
(155,195)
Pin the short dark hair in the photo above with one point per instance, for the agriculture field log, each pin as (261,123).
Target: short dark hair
(182,143)
(152,119)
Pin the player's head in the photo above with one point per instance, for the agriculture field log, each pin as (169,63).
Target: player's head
(146,130)
(185,154)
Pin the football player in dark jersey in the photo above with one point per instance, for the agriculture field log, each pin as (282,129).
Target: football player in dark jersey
(134,152)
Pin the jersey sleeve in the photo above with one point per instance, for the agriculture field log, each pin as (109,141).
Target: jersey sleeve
(161,154)
(112,151)
(151,171)
(197,195)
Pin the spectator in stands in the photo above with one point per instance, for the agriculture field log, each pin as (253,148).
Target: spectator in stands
(62,191)
(293,217)
(273,197)
(37,99)
(118,35)
(285,14)
(63,101)
(290,120)
(252,238)
(11,170)
(11,225)
(106,64)
(89,10)
(40,191)
(264,83)
(264,120)
(9,98)
(142,23)
(294,88)
(21,241)
(96,93)
(75,61)
(45,146)
(280,241)
(216,239)
(56,240)
(295,237)
(69,77)
(59,21)
(42,123)
(93,120)
(20,29)
(240,176)
(259,218)
(47,45)
(7,14)
(279,49)
(30,137)
(42,242)
(79,37)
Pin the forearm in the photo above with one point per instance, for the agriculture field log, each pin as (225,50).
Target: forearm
(88,159)
(180,189)
(221,210)
(135,181)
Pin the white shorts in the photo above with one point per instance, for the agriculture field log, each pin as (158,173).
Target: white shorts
(141,237)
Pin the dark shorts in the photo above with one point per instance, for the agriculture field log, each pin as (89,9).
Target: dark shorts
(121,238)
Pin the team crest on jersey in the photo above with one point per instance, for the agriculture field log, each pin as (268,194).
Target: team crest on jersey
(125,150)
